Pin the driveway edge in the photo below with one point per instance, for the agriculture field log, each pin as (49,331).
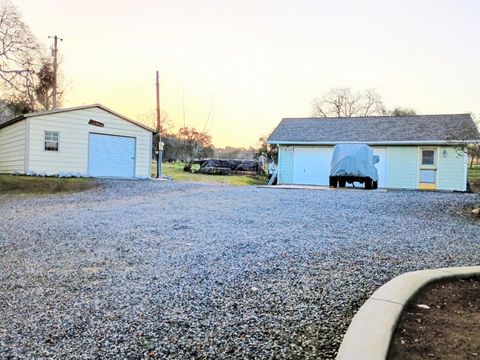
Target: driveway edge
(371,330)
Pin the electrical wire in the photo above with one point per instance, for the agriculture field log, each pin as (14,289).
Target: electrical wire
(113,91)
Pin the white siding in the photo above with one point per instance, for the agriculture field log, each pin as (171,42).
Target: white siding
(74,132)
(12,148)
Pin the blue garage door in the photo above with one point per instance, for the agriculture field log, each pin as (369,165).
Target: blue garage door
(110,155)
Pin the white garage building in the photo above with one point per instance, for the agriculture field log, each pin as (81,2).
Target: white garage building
(416,152)
(88,140)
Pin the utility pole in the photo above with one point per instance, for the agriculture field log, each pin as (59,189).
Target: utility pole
(160,144)
(55,66)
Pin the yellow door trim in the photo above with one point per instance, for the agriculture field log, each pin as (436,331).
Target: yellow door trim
(427,186)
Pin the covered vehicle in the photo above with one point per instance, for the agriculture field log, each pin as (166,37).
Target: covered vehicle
(353,163)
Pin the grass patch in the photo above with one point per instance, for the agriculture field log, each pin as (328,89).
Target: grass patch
(25,185)
(474,177)
(474,173)
(175,171)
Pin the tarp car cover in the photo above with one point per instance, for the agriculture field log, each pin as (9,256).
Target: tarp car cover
(353,160)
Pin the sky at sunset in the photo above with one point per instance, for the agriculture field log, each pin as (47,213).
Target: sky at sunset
(254,62)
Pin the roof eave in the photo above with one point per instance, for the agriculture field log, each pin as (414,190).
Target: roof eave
(12,121)
(82,107)
(409,142)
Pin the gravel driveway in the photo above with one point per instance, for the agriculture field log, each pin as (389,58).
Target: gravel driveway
(144,269)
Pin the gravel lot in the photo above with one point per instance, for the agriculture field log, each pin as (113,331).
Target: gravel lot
(144,269)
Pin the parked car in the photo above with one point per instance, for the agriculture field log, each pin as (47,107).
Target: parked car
(353,163)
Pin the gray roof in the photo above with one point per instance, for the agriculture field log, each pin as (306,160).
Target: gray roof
(83,107)
(376,129)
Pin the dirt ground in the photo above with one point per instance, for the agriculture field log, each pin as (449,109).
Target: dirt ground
(442,322)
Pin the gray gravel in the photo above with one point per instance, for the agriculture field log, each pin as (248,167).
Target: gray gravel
(165,270)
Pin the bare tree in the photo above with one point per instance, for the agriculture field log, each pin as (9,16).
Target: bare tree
(150,119)
(270,151)
(198,144)
(473,151)
(372,103)
(342,102)
(6,113)
(468,142)
(26,71)
(19,54)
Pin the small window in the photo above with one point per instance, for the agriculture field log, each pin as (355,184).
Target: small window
(51,140)
(428,157)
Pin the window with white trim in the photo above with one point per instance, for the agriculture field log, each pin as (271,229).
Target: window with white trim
(51,141)
(428,157)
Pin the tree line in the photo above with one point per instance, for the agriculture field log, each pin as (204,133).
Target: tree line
(26,67)
(343,102)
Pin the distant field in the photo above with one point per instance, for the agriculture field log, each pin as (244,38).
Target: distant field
(24,185)
(175,171)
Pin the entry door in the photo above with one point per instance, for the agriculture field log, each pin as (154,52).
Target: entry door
(427,171)
(111,156)
(381,166)
(311,165)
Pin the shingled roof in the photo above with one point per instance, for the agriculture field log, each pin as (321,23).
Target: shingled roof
(418,129)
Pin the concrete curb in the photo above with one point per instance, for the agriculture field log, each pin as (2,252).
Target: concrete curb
(369,334)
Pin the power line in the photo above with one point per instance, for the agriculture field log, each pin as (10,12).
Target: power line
(149,83)
(209,111)
(183,104)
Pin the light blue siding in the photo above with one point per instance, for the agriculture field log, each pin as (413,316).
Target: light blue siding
(451,169)
(402,168)
(285,165)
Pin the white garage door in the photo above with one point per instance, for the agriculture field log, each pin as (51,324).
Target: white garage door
(311,165)
(381,166)
(110,155)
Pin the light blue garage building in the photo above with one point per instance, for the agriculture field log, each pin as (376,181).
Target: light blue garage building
(416,152)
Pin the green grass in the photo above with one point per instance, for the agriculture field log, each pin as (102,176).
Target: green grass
(26,185)
(474,173)
(175,171)
(474,177)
